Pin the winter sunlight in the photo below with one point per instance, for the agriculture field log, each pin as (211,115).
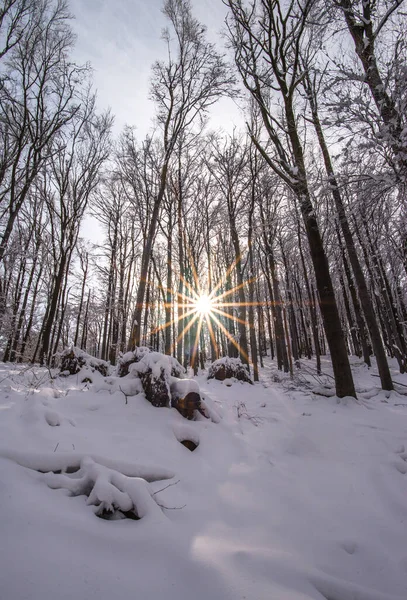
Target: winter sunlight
(204,305)
(203,299)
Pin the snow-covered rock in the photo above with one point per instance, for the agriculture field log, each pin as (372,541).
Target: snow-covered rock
(139,353)
(226,368)
(129,358)
(154,371)
(72,360)
(186,397)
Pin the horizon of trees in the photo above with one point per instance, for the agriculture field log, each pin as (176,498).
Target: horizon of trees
(296,223)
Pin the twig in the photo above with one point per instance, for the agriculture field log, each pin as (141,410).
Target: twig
(171,507)
(241,410)
(309,371)
(56,447)
(125,395)
(167,486)
(51,376)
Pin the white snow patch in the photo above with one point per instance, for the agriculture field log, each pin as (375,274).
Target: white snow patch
(310,503)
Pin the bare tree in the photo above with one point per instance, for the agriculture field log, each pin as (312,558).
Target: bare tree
(365,22)
(230,168)
(14,18)
(75,171)
(310,86)
(37,98)
(267,39)
(192,79)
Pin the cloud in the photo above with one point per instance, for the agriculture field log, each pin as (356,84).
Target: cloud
(121,40)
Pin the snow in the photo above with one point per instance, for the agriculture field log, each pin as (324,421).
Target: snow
(72,461)
(73,359)
(182,387)
(291,495)
(145,359)
(229,367)
(154,361)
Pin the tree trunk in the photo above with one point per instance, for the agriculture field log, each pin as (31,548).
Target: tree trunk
(51,311)
(366,302)
(169,299)
(134,339)
(312,306)
(82,298)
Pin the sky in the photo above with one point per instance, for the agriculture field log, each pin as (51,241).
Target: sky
(122,39)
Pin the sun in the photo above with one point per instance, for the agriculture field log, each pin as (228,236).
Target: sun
(197,309)
(203,305)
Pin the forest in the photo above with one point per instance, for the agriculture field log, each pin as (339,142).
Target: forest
(286,237)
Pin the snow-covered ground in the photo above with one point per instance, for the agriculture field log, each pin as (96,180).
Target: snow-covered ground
(291,496)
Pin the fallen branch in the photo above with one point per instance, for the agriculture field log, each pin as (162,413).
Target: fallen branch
(166,487)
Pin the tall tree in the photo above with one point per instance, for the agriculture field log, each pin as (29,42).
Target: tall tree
(183,88)
(230,168)
(75,171)
(365,21)
(367,305)
(37,99)
(267,39)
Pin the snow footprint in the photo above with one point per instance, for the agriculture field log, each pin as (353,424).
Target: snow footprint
(401,465)
(349,546)
(54,419)
(186,435)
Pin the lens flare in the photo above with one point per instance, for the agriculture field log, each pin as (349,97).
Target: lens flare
(204,305)
(196,308)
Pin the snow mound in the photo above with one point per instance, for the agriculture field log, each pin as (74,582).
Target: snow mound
(74,360)
(154,371)
(226,368)
(144,354)
(129,358)
(70,462)
(109,491)
(186,398)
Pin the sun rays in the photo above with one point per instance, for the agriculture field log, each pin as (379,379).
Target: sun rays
(213,308)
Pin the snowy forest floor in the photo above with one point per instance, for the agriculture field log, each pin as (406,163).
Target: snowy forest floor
(291,496)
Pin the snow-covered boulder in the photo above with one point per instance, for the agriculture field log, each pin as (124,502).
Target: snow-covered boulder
(73,359)
(135,356)
(161,378)
(129,358)
(226,367)
(154,371)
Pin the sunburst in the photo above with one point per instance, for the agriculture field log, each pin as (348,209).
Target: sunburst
(202,306)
